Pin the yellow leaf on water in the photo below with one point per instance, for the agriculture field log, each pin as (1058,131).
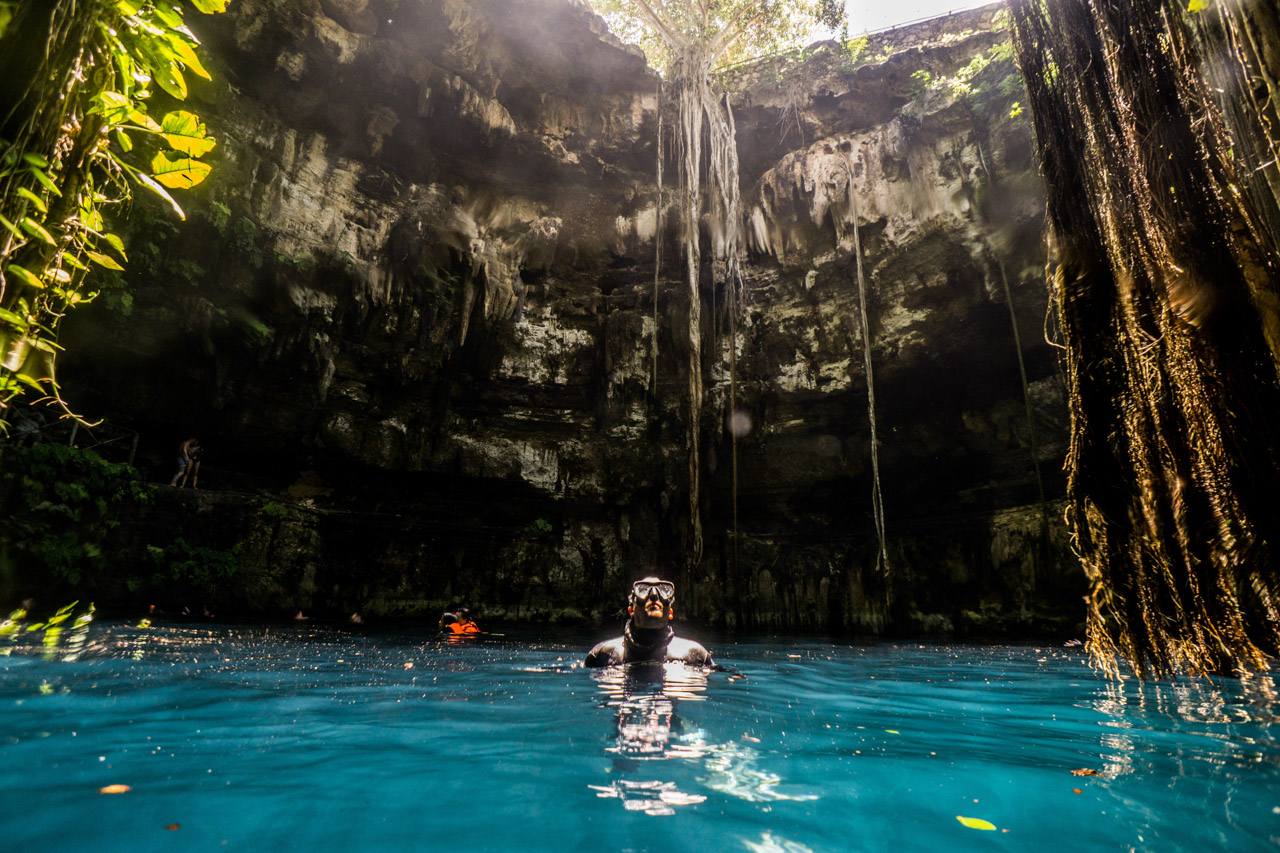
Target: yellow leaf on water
(115,789)
(976,823)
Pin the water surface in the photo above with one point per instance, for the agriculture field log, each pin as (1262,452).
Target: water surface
(325,740)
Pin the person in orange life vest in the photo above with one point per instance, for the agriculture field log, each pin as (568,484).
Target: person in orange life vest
(459,623)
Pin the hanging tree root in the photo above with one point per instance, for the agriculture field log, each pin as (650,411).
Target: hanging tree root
(1166,290)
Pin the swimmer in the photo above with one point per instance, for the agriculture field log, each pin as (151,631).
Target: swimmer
(459,623)
(648,635)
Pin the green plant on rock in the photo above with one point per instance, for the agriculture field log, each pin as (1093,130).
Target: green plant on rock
(60,504)
(186,568)
(75,79)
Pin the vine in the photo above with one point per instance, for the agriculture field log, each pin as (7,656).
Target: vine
(76,76)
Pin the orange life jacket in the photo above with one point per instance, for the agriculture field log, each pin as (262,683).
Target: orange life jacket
(464,628)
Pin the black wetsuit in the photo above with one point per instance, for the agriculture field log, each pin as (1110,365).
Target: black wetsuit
(648,644)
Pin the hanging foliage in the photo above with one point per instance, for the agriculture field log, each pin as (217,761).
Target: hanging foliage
(690,39)
(1166,286)
(75,78)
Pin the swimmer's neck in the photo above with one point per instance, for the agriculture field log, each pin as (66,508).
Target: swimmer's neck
(648,640)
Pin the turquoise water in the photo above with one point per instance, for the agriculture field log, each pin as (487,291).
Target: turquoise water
(318,739)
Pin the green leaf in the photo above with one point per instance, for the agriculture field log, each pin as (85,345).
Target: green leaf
(188,56)
(182,173)
(113,106)
(122,138)
(37,160)
(168,17)
(150,183)
(116,243)
(35,229)
(210,7)
(103,260)
(976,823)
(13,229)
(169,77)
(128,7)
(45,181)
(25,276)
(33,198)
(27,380)
(1199,5)
(13,320)
(140,117)
(74,262)
(186,133)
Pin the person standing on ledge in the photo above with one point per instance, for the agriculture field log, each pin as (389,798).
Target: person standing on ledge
(648,635)
(188,464)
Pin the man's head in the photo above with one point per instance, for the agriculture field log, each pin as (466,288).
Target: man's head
(651,602)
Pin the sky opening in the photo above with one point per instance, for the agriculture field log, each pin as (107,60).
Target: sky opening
(872,15)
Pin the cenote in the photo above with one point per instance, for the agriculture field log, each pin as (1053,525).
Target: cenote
(266,738)
(926,371)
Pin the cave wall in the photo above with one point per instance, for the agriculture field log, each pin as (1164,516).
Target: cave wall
(413,312)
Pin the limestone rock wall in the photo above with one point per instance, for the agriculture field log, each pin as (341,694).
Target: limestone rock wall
(415,304)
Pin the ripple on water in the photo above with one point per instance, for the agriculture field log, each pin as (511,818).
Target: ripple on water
(284,738)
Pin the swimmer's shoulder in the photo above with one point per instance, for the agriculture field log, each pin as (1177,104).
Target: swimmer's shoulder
(607,653)
(688,651)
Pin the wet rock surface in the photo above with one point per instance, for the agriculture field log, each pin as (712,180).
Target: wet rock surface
(414,308)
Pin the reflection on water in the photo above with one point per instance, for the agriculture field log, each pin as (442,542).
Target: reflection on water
(647,728)
(769,844)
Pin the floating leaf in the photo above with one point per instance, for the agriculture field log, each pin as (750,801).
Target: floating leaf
(115,789)
(1084,771)
(186,133)
(1199,5)
(1076,791)
(172,827)
(103,260)
(976,823)
(25,276)
(182,173)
